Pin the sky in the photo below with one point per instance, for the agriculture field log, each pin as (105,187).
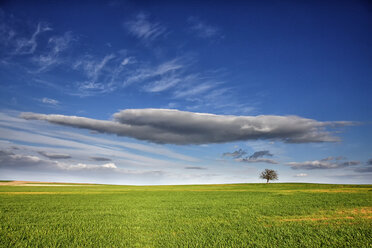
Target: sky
(185,92)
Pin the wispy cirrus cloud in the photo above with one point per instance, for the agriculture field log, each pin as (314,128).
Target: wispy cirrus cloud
(95,71)
(162,84)
(156,75)
(203,30)
(177,78)
(28,45)
(52,56)
(102,75)
(91,67)
(40,49)
(169,126)
(142,28)
(192,90)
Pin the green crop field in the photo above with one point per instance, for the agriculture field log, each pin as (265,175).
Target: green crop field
(240,215)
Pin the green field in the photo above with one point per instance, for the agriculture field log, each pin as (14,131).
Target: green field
(240,215)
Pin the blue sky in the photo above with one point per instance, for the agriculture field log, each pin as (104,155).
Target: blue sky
(185,92)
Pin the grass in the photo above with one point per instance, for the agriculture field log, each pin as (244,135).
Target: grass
(240,215)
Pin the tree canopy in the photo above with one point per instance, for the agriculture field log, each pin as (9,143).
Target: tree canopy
(269,175)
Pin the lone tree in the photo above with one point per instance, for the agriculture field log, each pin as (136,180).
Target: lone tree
(269,175)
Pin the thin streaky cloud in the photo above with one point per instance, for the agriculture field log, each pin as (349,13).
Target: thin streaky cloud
(28,46)
(91,66)
(57,45)
(194,90)
(54,155)
(163,70)
(162,85)
(27,137)
(12,161)
(203,30)
(100,159)
(142,28)
(195,168)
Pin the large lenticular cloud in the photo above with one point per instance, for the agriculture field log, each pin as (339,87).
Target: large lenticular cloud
(166,126)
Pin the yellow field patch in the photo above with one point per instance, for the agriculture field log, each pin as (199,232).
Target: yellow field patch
(345,190)
(355,213)
(318,219)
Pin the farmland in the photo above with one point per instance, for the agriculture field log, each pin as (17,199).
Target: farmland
(236,215)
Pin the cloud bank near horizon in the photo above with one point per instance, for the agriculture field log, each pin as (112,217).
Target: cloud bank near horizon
(325,163)
(169,126)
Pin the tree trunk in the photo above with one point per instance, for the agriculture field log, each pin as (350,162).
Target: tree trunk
(267,180)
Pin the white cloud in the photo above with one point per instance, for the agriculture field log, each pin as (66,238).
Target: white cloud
(181,127)
(165,70)
(327,163)
(80,149)
(9,160)
(110,165)
(52,56)
(143,29)
(203,30)
(92,67)
(194,90)
(162,85)
(28,46)
(102,75)
(49,101)
(301,175)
